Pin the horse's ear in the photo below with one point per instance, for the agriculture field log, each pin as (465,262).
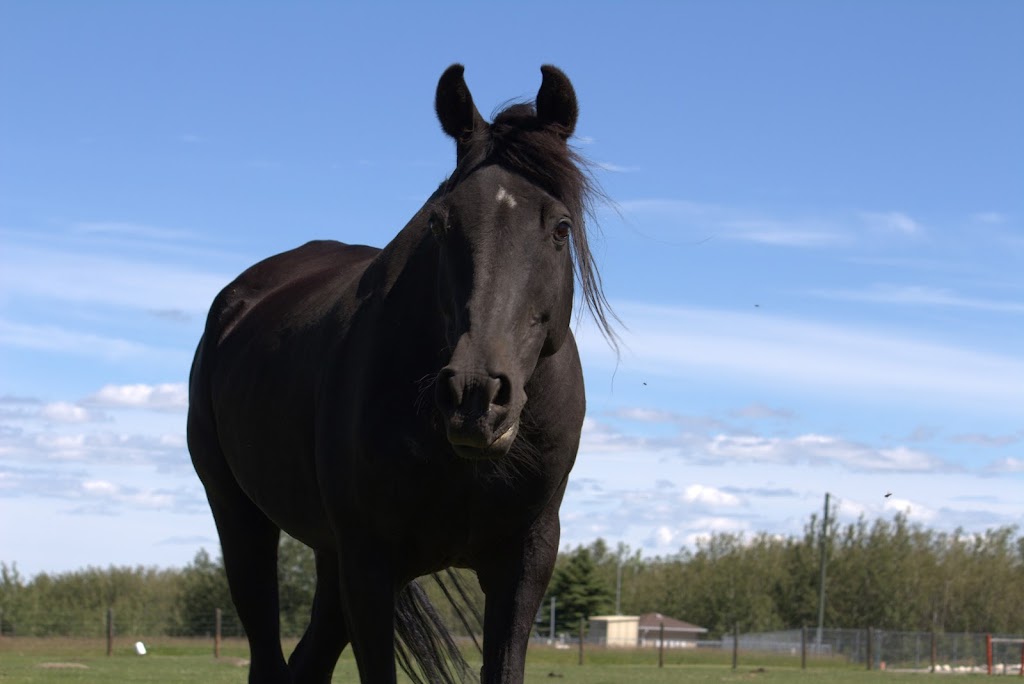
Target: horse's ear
(454,106)
(556,100)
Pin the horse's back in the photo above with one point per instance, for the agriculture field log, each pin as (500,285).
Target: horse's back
(257,370)
(287,287)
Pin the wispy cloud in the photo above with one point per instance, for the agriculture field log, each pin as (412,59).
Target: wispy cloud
(51,338)
(709,220)
(913,295)
(761,412)
(783,233)
(892,222)
(815,449)
(1007,465)
(128,229)
(822,359)
(768,228)
(616,168)
(66,412)
(172,315)
(978,439)
(720,448)
(96,495)
(992,218)
(108,280)
(94,447)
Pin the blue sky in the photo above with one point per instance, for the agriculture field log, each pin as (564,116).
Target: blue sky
(815,248)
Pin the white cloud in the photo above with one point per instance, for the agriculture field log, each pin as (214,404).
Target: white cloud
(711,496)
(915,512)
(99,487)
(163,397)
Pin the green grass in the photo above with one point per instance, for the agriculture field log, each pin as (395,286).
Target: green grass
(47,661)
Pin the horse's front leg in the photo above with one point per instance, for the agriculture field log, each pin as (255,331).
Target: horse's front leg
(514,580)
(368,603)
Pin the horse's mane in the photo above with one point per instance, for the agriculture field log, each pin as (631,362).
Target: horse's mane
(520,142)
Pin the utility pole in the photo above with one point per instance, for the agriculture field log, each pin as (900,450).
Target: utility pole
(618,587)
(821,588)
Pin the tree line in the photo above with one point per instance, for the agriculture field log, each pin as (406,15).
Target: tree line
(889,574)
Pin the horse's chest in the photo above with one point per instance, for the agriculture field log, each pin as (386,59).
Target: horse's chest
(434,519)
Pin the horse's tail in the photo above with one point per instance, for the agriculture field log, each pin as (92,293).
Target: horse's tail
(424,648)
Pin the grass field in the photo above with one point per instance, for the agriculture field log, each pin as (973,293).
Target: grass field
(188,660)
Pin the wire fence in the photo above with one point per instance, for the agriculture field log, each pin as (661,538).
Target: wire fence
(910,650)
(872,648)
(96,624)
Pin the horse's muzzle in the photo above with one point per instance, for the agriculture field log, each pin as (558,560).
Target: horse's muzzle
(480,421)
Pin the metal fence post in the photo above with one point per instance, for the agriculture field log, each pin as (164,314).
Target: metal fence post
(735,645)
(870,650)
(661,645)
(803,647)
(110,631)
(581,641)
(216,632)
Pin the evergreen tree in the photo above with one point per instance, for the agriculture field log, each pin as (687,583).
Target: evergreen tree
(579,593)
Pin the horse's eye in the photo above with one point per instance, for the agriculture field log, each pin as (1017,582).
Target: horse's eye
(562,231)
(436,225)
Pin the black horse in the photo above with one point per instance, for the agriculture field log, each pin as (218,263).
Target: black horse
(407,409)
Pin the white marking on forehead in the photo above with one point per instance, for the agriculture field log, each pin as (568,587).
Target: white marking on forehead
(504,197)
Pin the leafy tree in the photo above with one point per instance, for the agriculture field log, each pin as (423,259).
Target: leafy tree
(296,579)
(204,588)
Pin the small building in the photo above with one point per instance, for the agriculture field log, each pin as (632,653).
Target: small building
(678,634)
(614,630)
(643,630)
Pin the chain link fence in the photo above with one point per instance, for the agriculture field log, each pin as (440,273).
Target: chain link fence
(883,649)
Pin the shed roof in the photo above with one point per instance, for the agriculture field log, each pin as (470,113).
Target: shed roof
(653,621)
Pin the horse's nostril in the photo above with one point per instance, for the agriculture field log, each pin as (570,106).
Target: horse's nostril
(503,396)
(449,390)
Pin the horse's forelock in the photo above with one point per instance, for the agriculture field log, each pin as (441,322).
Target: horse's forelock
(520,142)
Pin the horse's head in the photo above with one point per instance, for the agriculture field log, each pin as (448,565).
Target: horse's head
(508,224)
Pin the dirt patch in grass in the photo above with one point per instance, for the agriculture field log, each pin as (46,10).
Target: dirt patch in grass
(63,666)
